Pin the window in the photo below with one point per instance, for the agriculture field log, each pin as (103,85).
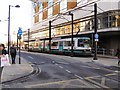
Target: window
(50,9)
(81,2)
(112,21)
(117,20)
(55,44)
(68,43)
(84,43)
(82,26)
(40,9)
(60,43)
(63,5)
(105,22)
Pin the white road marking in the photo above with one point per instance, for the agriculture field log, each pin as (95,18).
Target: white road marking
(116,71)
(103,81)
(42,62)
(30,57)
(60,66)
(78,76)
(64,63)
(68,71)
(90,67)
(56,64)
(53,61)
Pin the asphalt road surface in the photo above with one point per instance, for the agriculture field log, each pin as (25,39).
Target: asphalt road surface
(56,72)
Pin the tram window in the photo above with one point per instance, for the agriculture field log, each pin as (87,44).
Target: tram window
(83,43)
(68,43)
(61,44)
(54,43)
(80,43)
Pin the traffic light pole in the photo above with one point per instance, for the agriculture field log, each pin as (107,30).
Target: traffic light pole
(17,41)
(28,38)
(19,51)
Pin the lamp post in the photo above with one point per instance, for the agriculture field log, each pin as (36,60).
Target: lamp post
(17,6)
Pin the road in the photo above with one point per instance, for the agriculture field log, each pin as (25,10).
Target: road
(55,71)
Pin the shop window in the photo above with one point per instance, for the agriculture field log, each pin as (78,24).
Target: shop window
(105,22)
(117,20)
(112,21)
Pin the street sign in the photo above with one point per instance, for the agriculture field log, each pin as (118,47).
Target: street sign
(96,36)
(20,31)
(96,40)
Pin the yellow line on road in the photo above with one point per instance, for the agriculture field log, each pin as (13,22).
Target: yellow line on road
(111,74)
(92,77)
(50,83)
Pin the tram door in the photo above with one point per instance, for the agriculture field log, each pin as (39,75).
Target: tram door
(61,46)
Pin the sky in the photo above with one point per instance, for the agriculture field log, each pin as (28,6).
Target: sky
(20,17)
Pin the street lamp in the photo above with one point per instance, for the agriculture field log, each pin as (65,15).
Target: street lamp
(17,6)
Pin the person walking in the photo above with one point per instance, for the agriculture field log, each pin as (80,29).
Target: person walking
(118,55)
(2,52)
(13,53)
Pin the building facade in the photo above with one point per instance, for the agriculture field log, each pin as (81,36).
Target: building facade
(57,11)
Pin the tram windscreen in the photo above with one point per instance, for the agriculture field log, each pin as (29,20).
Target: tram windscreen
(84,43)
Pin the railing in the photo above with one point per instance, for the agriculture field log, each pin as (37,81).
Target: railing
(103,51)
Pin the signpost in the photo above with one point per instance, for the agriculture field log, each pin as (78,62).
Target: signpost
(19,37)
(96,37)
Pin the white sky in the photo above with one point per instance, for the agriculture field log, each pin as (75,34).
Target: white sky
(20,17)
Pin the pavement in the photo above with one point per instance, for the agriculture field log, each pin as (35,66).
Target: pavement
(17,70)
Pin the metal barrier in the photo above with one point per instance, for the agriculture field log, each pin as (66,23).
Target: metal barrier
(103,51)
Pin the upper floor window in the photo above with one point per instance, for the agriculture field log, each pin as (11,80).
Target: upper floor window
(40,6)
(40,9)
(63,5)
(50,9)
(81,2)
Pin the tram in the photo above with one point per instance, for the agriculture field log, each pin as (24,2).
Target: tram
(81,46)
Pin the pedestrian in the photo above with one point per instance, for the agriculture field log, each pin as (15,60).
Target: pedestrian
(13,53)
(2,52)
(118,55)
